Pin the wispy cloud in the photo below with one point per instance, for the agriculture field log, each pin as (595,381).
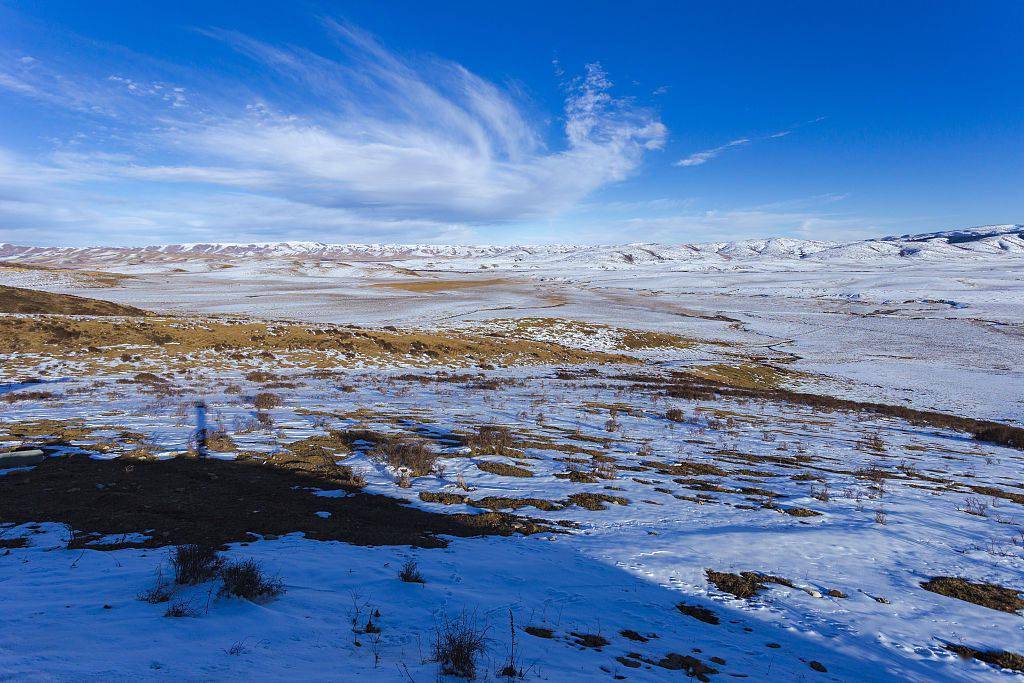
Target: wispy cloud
(351,144)
(704,156)
(698,158)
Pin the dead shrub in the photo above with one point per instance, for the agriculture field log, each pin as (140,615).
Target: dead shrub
(266,401)
(194,563)
(181,608)
(458,642)
(261,376)
(412,454)
(492,440)
(245,579)
(159,593)
(675,415)
(411,573)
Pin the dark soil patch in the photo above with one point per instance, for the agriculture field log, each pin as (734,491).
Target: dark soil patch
(745,584)
(214,502)
(989,595)
(699,613)
(691,665)
(593,640)
(540,632)
(633,635)
(1000,658)
(19,542)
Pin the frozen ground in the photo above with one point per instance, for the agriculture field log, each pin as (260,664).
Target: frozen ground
(933,321)
(636,480)
(868,507)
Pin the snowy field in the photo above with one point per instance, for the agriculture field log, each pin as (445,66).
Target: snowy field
(607,468)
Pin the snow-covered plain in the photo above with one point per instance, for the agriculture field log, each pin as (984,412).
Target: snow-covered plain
(864,506)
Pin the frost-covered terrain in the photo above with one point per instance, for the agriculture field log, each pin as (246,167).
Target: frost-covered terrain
(774,460)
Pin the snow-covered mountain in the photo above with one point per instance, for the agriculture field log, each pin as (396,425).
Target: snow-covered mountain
(969,243)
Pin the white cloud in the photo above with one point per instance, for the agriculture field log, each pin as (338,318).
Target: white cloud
(369,138)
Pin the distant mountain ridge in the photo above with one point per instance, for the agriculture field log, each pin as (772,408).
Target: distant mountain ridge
(970,243)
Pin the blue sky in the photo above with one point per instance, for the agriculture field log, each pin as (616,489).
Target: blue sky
(130,123)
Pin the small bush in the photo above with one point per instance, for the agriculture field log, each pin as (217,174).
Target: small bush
(195,563)
(492,440)
(411,573)
(675,415)
(157,594)
(266,400)
(412,454)
(457,645)
(181,608)
(245,579)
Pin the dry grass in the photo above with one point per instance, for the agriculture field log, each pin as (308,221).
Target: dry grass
(493,440)
(745,584)
(989,595)
(19,300)
(266,401)
(429,286)
(193,564)
(413,455)
(231,341)
(410,573)
(458,643)
(245,579)
(503,469)
(999,658)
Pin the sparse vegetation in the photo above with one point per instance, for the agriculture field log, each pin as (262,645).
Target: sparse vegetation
(997,658)
(194,563)
(503,469)
(493,440)
(989,595)
(410,572)
(412,455)
(181,608)
(245,579)
(675,415)
(266,401)
(745,584)
(458,643)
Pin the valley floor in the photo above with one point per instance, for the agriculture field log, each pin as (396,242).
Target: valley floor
(606,476)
